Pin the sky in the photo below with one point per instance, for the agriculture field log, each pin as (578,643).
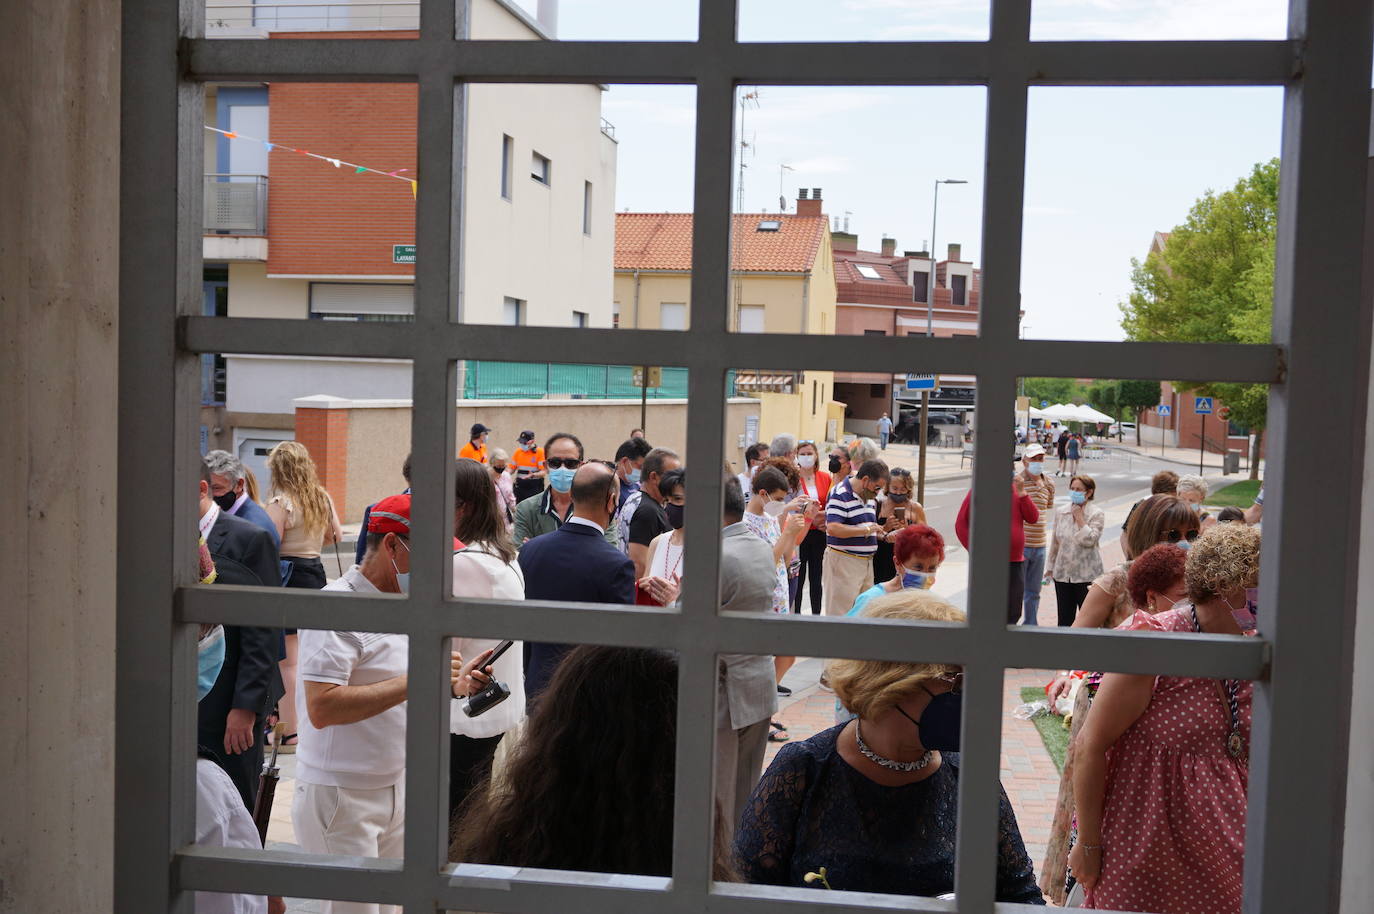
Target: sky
(1106,167)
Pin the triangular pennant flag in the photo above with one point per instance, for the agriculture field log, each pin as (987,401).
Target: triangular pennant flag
(230,134)
(268,145)
(361,169)
(414,190)
(396,172)
(335,162)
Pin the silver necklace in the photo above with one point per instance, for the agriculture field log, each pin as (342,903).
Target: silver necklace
(888,763)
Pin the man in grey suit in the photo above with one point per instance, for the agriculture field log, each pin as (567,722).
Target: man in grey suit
(746,693)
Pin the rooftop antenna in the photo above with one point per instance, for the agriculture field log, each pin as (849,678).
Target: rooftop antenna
(782,195)
(847,214)
(746,101)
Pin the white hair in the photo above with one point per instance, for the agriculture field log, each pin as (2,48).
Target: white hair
(861,450)
(782,445)
(1192,483)
(223,463)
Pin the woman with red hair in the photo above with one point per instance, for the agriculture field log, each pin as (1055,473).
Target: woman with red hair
(917,551)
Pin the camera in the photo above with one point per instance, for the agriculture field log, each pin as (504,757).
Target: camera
(483,701)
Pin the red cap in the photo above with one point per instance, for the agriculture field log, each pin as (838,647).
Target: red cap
(392,515)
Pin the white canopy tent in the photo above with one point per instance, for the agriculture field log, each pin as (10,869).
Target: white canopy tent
(1061,412)
(1032,411)
(1088,414)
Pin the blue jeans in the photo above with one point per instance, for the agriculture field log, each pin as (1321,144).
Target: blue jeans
(882,440)
(1035,571)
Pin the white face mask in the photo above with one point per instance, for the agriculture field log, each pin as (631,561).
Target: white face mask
(774,508)
(806,461)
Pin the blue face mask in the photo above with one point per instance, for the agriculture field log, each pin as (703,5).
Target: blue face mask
(1035,468)
(1078,498)
(560,478)
(633,478)
(940,721)
(918,580)
(402,577)
(209,661)
(1185,545)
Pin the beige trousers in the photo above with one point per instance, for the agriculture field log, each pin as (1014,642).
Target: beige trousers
(351,822)
(843,578)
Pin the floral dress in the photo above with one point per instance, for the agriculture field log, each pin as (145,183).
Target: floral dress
(1173,817)
(766,528)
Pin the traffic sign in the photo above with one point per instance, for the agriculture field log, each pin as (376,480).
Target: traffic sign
(1202,406)
(1044,403)
(1164,409)
(921,382)
(655,376)
(1224,412)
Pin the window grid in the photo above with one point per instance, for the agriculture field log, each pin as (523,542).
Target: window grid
(155,808)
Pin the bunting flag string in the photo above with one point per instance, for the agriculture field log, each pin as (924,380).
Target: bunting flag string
(396,174)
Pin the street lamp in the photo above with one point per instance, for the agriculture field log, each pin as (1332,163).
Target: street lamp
(930,331)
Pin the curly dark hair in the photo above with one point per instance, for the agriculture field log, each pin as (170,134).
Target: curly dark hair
(787,468)
(590,786)
(1158,568)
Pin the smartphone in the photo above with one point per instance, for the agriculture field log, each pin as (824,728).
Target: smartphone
(494,692)
(496,654)
(899,512)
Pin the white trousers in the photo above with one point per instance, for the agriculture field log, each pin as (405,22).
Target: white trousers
(351,822)
(843,578)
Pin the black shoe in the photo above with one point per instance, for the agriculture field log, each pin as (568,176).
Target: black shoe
(784,690)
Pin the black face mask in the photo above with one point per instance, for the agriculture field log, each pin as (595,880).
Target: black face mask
(834,464)
(940,721)
(676,514)
(226,501)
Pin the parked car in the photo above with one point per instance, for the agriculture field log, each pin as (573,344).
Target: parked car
(1121,430)
(938,425)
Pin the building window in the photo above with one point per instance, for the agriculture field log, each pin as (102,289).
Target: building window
(541,168)
(507,164)
(513,311)
(958,289)
(815,396)
(770,225)
(615,314)
(672,316)
(587,208)
(877,391)
(875,333)
(362,301)
(920,287)
(579,318)
(867,272)
(751,318)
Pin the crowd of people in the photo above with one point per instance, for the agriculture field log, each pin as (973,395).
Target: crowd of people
(562,756)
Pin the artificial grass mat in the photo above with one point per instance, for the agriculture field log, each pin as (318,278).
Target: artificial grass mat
(1051,726)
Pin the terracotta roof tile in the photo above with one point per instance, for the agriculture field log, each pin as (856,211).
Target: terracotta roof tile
(663,241)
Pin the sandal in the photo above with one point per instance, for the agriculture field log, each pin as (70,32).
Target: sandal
(778,733)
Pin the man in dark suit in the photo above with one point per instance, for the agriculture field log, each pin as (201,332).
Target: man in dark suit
(231,716)
(229,489)
(576,563)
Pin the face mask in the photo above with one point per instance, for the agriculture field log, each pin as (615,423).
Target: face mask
(633,477)
(561,478)
(1244,615)
(939,723)
(834,464)
(806,461)
(528,445)
(209,661)
(918,580)
(1252,600)
(1184,545)
(774,508)
(402,579)
(496,469)
(1197,508)
(1035,468)
(1078,498)
(226,501)
(898,497)
(676,514)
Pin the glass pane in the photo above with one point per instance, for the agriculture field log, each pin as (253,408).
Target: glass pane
(1144,20)
(1138,240)
(863,20)
(839,245)
(593,20)
(312,19)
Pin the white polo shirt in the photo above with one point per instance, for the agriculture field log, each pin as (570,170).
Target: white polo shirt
(370,753)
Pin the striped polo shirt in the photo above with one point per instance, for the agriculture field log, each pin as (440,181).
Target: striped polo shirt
(844,507)
(1039,492)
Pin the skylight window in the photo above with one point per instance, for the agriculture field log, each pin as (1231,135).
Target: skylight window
(770,225)
(866,271)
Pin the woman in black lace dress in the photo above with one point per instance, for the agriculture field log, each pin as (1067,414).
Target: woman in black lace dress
(874,800)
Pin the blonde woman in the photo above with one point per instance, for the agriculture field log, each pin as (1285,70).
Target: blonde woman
(306,520)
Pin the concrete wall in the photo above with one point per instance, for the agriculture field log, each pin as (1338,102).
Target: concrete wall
(59,238)
(252,294)
(362,453)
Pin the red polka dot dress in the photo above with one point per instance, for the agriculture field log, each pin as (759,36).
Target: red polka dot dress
(1173,819)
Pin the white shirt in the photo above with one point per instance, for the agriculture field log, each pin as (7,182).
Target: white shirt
(367,754)
(238,503)
(584,522)
(481,575)
(222,821)
(207,520)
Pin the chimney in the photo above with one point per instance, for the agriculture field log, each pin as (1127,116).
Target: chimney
(546,14)
(808,205)
(844,242)
(954,252)
(801,193)
(889,247)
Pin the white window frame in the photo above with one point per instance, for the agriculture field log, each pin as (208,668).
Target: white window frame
(1318,356)
(587,192)
(521,308)
(541,168)
(679,308)
(507,165)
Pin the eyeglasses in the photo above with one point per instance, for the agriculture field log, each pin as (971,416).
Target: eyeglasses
(1174,536)
(559,463)
(805,441)
(955,681)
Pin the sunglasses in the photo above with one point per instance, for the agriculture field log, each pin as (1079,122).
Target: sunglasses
(1174,536)
(559,463)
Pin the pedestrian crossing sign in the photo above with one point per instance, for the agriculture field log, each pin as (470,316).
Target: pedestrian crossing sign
(1164,409)
(1202,406)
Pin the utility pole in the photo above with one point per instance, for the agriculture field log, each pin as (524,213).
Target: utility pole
(930,332)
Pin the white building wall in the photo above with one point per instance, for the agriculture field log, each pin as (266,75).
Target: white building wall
(268,383)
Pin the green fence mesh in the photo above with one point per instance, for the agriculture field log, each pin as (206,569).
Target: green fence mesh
(544,380)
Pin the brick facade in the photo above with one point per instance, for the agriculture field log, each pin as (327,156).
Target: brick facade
(332,221)
(324,432)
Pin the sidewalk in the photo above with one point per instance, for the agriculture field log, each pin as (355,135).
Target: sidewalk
(1188,457)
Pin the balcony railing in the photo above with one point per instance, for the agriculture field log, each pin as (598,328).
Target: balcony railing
(236,204)
(234,19)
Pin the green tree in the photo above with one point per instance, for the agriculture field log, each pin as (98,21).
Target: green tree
(1053,390)
(1214,282)
(1106,396)
(1135,396)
